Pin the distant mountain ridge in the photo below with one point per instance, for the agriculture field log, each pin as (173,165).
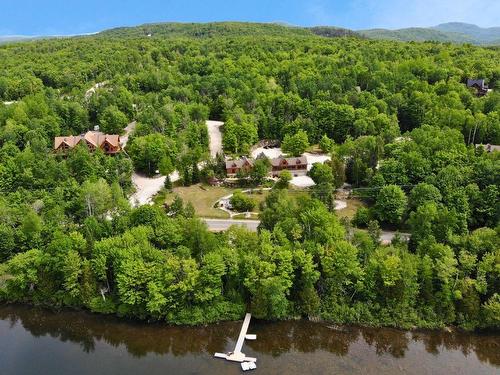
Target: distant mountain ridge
(204,30)
(455,32)
(26,38)
(486,35)
(211,29)
(13,38)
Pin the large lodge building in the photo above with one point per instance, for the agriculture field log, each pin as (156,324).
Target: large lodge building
(109,143)
(296,165)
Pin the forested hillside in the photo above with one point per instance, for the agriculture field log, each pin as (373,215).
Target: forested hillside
(455,32)
(418,34)
(487,35)
(397,118)
(206,30)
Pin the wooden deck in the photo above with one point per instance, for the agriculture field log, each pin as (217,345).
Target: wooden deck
(237,355)
(243,333)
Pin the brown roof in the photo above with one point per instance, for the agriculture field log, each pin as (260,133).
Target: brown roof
(238,163)
(93,137)
(70,141)
(300,160)
(276,162)
(113,139)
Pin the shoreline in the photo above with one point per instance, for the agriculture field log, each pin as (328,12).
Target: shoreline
(334,326)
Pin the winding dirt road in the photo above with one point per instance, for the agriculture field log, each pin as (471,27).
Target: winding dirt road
(94,88)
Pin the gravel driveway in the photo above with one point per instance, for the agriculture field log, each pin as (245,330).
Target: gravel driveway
(129,129)
(215,137)
(147,187)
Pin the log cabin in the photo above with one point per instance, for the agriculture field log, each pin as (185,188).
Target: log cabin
(296,165)
(234,166)
(109,143)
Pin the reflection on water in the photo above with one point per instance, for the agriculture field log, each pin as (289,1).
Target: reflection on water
(96,344)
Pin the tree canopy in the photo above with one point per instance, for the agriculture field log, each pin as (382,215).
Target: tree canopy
(397,118)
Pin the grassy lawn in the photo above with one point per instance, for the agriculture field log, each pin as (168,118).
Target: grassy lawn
(258,197)
(203,198)
(254,216)
(352,206)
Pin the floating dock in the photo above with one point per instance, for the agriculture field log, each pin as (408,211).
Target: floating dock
(247,363)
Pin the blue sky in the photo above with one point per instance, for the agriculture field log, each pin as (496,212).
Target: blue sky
(63,17)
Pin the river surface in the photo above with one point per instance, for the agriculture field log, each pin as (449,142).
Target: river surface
(34,341)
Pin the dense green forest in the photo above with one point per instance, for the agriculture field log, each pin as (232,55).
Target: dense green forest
(397,118)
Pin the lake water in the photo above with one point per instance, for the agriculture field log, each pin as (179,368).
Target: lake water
(34,341)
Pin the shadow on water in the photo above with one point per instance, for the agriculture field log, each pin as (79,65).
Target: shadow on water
(139,338)
(303,336)
(274,339)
